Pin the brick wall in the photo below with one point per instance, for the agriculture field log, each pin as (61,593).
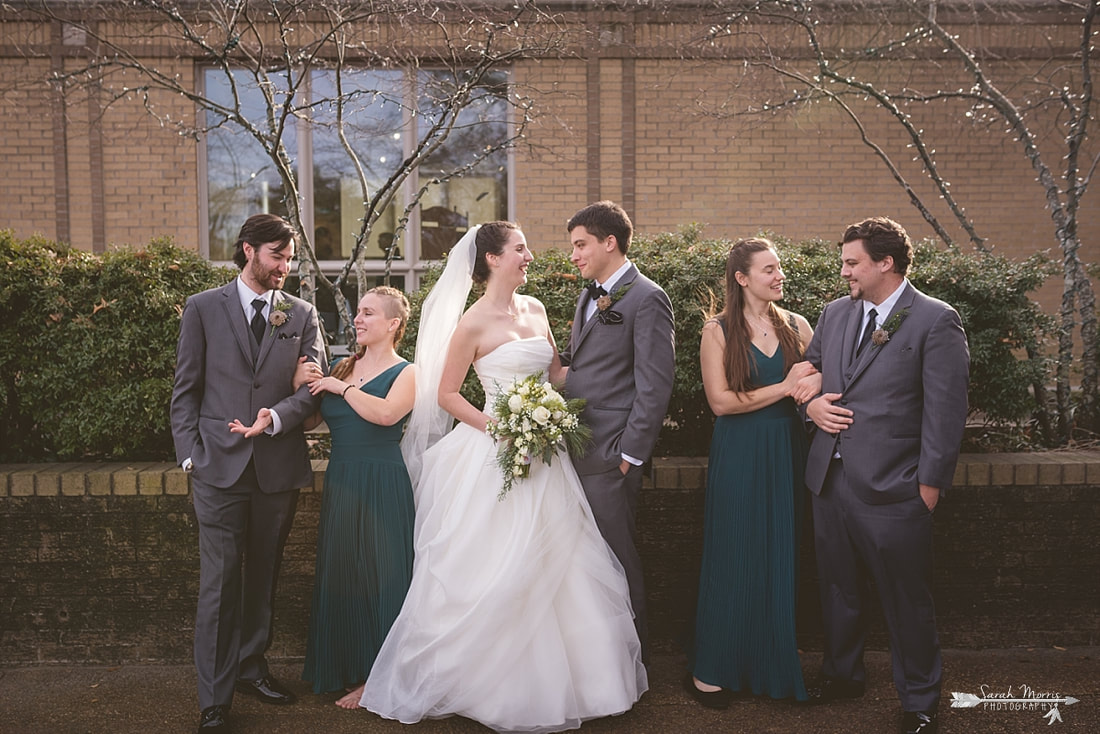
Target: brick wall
(98,563)
(626,113)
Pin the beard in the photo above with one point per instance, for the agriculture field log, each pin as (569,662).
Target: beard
(268,278)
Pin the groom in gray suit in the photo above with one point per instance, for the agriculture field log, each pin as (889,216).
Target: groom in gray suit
(622,359)
(894,366)
(238,349)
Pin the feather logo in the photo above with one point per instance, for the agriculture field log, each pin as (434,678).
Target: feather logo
(1030,700)
(964,700)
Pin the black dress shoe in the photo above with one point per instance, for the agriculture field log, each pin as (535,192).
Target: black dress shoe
(719,699)
(835,689)
(267,689)
(919,722)
(214,720)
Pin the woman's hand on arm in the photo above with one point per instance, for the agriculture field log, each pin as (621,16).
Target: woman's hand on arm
(808,383)
(306,372)
(330,384)
(803,382)
(390,409)
(723,400)
(807,387)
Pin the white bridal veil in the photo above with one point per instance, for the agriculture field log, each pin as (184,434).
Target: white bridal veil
(438,318)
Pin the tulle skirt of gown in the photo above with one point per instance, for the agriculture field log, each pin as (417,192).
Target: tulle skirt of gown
(518,615)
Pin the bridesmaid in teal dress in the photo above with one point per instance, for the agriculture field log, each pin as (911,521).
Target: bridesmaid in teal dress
(364,539)
(752,374)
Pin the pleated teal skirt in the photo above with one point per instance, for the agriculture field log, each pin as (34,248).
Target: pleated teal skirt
(364,546)
(745,617)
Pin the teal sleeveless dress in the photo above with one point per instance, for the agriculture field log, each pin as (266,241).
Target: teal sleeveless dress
(364,543)
(745,617)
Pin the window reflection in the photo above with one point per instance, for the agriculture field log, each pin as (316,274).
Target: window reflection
(374,115)
(479,195)
(241,179)
(385,112)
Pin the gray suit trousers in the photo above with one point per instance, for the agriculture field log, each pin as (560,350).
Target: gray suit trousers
(613,498)
(241,536)
(893,544)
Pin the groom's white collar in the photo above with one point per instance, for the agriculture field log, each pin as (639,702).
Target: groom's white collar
(884,309)
(247,296)
(616,276)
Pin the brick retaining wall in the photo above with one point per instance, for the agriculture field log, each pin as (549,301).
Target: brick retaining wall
(98,562)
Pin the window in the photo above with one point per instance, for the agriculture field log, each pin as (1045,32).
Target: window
(385,113)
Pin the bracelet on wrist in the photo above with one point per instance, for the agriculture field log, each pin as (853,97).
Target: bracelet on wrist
(344,394)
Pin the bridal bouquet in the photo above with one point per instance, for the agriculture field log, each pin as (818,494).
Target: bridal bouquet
(532,421)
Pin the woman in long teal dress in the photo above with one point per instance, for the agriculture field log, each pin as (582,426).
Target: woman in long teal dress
(745,618)
(364,539)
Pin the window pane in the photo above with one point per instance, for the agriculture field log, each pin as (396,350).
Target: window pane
(326,304)
(480,194)
(373,122)
(242,180)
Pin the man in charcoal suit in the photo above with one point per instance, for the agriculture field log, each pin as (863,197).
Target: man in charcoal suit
(894,366)
(238,349)
(622,360)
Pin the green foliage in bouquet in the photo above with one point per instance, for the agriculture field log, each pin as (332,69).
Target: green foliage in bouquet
(533,421)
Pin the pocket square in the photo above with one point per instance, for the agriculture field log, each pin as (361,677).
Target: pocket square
(288,336)
(609,317)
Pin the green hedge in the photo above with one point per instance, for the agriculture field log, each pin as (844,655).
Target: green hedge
(88,348)
(87,342)
(989,291)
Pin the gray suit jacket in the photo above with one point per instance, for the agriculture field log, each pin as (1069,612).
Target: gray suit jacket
(625,371)
(908,398)
(217,380)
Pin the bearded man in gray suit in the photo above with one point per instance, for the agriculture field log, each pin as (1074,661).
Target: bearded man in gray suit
(622,360)
(894,367)
(238,349)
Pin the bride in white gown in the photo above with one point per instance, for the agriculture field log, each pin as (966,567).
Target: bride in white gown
(518,615)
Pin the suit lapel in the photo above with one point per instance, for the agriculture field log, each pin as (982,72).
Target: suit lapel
(848,339)
(578,320)
(234,316)
(904,301)
(582,305)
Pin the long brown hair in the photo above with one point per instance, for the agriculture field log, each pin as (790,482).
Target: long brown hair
(738,357)
(395,305)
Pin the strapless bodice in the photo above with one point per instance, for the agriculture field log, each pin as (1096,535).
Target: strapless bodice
(511,360)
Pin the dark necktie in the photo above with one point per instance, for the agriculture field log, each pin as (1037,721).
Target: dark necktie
(867,332)
(595,290)
(258,323)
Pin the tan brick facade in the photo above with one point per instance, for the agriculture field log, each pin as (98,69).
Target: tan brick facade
(622,114)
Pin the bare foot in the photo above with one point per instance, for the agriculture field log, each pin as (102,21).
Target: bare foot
(705,687)
(351,701)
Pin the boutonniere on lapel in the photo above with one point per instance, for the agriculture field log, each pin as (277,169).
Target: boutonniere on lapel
(604,313)
(280,314)
(882,335)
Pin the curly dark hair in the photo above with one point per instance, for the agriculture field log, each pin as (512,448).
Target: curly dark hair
(882,237)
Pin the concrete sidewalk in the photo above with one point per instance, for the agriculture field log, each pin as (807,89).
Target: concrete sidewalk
(161,698)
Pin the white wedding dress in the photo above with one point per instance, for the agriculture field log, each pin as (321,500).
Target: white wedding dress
(518,615)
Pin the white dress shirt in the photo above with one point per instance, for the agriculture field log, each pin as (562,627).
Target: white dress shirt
(883,309)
